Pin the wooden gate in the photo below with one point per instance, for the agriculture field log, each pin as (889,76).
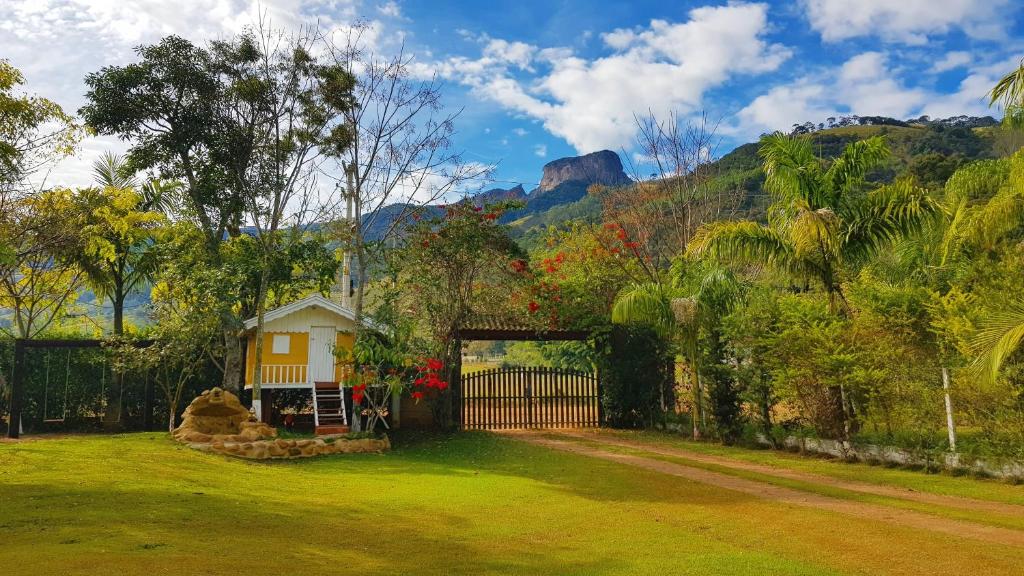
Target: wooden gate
(508,398)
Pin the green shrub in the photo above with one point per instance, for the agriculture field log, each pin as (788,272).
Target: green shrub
(635,367)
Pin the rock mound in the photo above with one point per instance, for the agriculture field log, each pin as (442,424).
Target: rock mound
(217,422)
(301,448)
(217,415)
(602,167)
(498,195)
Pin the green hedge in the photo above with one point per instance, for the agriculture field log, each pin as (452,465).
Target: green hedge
(635,367)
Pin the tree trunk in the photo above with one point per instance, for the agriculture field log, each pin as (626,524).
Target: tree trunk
(360,287)
(698,406)
(232,356)
(118,310)
(845,413)
(257,370)
(112,414)
(766,414)
(950,427)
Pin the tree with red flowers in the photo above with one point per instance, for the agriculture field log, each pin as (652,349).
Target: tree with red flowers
(450,268)
(675,191)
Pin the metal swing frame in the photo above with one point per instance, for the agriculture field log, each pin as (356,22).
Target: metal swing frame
(46,389)
(20,372)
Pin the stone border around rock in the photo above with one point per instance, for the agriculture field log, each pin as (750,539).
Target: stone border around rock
(281,449)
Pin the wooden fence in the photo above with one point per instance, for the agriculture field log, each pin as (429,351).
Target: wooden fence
(529,397)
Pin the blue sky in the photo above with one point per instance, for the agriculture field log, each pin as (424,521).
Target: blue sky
(541,80)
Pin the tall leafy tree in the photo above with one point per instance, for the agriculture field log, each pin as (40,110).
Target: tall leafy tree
(689,311)
(42,280)
(823,223)
(451,268)
(242,124)
(33,132)
(118,232)
(284,116)
(166,105)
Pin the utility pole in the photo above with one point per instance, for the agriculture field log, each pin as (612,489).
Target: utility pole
(346,264)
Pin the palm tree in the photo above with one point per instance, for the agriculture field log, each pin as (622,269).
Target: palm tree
(1009,92)
(1004,332)
(976,212)
(111,171)
(1002,215)
(822,222)
(698,296)
(118,227)
(1002,336)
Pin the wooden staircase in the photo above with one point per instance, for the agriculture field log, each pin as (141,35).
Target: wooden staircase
(329,408)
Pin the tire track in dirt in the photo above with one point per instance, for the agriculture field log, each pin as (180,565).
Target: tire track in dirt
(959,502)
(875,512)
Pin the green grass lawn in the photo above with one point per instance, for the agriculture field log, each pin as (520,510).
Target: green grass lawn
(1008,517)
(990,489)
(467,504)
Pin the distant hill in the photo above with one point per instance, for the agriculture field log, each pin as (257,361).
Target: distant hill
(926,149)
(563,182)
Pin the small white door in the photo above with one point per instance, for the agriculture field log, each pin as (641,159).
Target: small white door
(321,353)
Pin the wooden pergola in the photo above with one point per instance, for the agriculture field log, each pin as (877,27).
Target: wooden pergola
(493,328)
(517,403)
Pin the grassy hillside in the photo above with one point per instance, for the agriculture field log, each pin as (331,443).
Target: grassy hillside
(927,153)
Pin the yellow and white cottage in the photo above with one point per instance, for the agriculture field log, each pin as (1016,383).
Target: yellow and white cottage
(299,344)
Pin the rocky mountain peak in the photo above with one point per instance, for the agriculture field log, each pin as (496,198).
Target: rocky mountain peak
(602,167)
(499,194)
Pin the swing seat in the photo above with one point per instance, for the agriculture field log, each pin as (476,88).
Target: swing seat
(53,421)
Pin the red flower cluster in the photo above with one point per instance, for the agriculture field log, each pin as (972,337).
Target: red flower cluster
(358,392)
(623,240)
(428,377)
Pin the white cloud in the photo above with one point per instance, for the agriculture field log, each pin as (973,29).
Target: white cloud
(971,95)
(865,85)
(390,9)
(518,54)
(540,150)
(519,132)
(664,66)
(56,43)
(906,21)
(428,186)
(951,61)
(781,107)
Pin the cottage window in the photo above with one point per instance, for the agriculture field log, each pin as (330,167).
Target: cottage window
(282,344)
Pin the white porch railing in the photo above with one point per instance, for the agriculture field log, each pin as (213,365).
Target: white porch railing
(283,375)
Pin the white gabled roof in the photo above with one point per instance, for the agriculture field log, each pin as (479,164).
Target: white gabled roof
(312,301)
